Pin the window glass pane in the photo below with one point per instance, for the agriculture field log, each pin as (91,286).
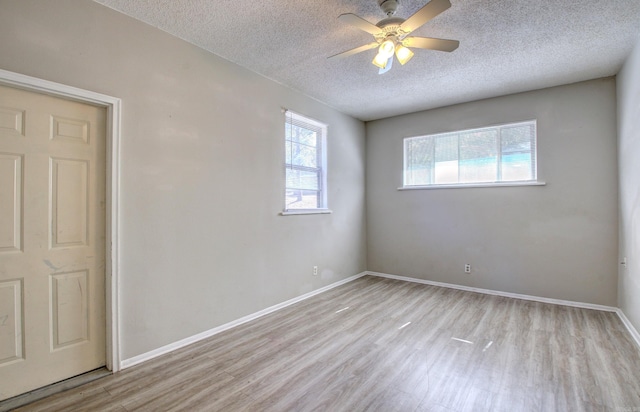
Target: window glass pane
(516,166)
(446,161)
(301,155)
(302,199)
(419,157)
(516,152)
(302,179)
(516,139)
(300,134)
(478,156)
(287,152)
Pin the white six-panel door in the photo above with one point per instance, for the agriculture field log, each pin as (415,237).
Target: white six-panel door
(52,239)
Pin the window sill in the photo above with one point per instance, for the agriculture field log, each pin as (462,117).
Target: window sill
(306,212)
(466,185)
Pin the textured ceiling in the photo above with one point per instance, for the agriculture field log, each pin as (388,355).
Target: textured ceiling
(506,46)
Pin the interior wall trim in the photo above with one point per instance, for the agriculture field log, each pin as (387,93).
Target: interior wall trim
(112,269)
(126,363)
(632,330)
(498,292)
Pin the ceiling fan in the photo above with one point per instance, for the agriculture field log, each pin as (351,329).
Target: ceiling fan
(391,33)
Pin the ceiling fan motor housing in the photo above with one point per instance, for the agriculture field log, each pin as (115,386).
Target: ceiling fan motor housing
(390,27)
(389,7)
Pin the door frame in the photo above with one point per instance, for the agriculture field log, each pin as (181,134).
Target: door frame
(114,111)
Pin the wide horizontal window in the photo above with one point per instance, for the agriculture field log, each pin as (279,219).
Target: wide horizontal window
(497,154)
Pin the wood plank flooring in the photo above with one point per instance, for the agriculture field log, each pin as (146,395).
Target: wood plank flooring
(377,344)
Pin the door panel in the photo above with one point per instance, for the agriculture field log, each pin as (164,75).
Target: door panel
(52,239)
(69,309)
(10,202)
(11,121)
(11,321)
(69,202)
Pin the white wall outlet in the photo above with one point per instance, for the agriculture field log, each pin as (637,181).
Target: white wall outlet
(467,268)
(624,262)
(315,271)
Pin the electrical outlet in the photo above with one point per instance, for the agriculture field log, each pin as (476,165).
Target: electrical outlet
(467,268)
(315,271)
(624,263)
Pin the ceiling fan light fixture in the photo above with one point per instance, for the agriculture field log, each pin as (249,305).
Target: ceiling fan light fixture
(404,54)
(380,60)
(387,48)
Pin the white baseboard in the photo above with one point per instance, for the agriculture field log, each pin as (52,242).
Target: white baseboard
(126,363)
(632,330)
(499,293)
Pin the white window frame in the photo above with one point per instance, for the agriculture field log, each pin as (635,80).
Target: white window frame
(321,162)
(497,183)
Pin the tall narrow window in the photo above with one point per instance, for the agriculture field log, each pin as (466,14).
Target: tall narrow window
(497,154)
(305,163)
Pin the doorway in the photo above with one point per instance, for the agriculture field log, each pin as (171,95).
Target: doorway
(58,232)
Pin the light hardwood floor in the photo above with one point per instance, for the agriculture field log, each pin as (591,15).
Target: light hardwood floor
(384,345)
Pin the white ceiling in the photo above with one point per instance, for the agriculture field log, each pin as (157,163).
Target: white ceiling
(506,46)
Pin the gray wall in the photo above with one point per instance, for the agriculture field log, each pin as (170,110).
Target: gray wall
(202,180)
(557,241)
(629,175)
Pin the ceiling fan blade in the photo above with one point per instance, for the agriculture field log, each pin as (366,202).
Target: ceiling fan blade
(359,22)
(428,12)
(431,43)
(355,51)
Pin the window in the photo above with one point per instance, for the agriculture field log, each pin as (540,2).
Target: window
(305,164)
(490,155)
